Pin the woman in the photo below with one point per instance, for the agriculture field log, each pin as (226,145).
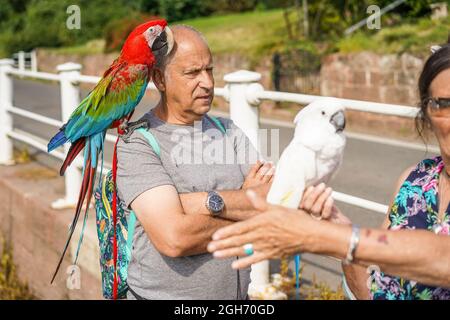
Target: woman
(413,242)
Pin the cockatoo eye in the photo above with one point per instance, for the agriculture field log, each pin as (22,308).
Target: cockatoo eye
(323,113)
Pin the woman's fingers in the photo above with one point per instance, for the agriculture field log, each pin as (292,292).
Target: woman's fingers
(236,229)
(233,241)
(312,197)
(231,252)
(328,208)
(318,205)
(236,247)
(305,196)
(248,261)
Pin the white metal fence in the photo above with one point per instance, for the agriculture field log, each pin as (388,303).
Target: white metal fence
(25,60)
(242,91)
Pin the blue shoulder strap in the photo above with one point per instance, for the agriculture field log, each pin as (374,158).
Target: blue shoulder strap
(132,220)
(151,140)
(218,124)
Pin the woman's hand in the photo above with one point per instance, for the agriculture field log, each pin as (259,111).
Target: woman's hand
(317,201)
(278,232)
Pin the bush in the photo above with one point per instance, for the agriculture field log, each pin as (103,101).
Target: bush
(175,10)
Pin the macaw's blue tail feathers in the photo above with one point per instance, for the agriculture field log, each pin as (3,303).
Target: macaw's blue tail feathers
(58,140)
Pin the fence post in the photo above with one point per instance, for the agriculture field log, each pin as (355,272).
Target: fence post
(70,99)
(21,62)
(241,86)
(33,57)
(6,122)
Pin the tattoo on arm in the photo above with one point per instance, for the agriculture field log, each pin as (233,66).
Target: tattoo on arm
(383,239)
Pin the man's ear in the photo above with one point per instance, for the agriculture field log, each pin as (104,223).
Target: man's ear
(158,79)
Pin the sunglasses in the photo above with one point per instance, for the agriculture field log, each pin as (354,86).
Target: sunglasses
(436,104)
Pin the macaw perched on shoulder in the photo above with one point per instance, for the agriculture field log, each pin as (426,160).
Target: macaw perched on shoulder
(110,104)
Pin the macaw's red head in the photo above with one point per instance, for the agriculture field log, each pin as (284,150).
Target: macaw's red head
(147,41)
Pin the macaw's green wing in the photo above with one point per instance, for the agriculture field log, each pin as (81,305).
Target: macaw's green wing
(115,96)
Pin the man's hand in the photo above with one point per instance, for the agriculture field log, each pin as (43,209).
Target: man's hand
(260,178)
(261,173)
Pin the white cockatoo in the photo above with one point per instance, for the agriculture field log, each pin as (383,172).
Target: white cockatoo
(313,156)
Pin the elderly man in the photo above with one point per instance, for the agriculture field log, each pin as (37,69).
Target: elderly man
(182,196)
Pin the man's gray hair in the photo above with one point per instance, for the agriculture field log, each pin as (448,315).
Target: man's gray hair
(162,63)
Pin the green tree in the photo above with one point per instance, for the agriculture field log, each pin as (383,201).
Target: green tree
(43,23)
(175,10)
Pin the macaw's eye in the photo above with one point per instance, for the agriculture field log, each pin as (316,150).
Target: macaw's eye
(151,29)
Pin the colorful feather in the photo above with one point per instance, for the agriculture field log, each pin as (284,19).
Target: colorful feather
(112,100)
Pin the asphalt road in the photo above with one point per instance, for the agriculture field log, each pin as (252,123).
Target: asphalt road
(370,169)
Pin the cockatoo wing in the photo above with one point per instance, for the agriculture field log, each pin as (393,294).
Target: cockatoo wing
(295,165)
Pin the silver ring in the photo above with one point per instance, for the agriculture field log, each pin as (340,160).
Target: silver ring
(248,249)
(317,218)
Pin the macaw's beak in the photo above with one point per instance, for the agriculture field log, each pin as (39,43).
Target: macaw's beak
(163,44)
(338,121)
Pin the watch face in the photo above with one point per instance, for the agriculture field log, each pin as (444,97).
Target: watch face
(215,203)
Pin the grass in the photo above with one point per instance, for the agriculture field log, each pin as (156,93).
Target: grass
(11,287)
(412,37)
(249,34)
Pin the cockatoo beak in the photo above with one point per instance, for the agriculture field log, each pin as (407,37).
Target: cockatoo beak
(338,121)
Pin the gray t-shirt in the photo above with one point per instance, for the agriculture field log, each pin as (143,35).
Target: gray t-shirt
(192,160)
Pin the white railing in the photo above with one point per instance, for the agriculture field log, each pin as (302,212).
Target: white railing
(25,60)
(242,91)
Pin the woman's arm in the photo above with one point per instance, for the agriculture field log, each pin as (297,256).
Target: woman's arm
(413,254)
(355,275)
(418,255)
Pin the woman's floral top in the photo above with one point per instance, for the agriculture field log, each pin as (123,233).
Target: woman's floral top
(415,207)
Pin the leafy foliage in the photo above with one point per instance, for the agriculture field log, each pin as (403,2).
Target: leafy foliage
(43,22)
(27,24)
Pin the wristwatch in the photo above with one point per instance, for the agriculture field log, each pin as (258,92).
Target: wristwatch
(214,203)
